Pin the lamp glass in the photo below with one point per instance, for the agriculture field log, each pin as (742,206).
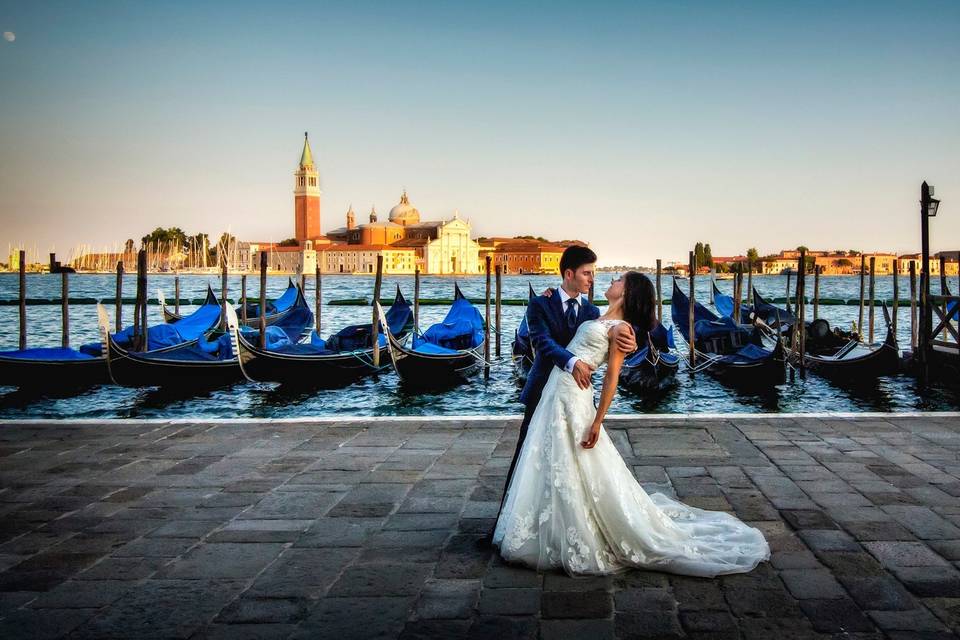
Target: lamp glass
(932,207)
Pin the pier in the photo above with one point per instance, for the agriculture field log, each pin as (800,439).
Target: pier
(366,528)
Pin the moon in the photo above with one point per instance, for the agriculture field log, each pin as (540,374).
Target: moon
(9,36)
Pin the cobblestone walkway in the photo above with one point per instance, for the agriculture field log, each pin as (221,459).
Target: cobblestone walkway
(367,530)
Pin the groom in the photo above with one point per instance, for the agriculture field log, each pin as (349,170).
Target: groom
(553,319)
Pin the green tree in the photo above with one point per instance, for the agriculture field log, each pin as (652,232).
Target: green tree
(752,255)
(803,248)
(707,255)
(698,255)
(289,242)
(853,252)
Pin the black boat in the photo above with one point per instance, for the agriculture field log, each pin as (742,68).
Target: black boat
(652,367)
(59,368)
(447,353)
(340,359)
(820,338)
(276,309)
(731,352)
(207,362)
(522,348)
(853,362)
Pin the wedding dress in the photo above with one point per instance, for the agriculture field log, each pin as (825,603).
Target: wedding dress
(583,511)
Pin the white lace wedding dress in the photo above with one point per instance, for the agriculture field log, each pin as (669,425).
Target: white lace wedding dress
(583,511)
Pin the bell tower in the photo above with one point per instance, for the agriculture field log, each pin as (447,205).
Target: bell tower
(306,196)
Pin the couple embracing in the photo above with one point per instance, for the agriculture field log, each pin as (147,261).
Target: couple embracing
(571,502)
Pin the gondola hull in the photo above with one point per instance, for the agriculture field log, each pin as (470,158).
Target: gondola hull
(878,361)
(765,373)
(131,369)
(427,370)
(308,370)
(53,374)
(650,374)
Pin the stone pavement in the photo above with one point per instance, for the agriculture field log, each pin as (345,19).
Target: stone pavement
(366,530)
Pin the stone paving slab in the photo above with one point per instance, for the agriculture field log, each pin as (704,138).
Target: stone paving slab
(367,529)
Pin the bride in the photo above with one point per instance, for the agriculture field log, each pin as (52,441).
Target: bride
(574,504)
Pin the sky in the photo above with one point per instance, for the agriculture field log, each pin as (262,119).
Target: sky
(640,127)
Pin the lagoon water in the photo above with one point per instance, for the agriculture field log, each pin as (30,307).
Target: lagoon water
(383,395)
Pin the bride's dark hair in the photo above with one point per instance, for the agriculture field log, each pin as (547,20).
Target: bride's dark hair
(639,303)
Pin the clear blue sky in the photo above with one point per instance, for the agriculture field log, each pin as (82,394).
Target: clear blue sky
(640,127)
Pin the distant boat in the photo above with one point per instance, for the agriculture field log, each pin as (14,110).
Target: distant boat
(275,309)
(522,347)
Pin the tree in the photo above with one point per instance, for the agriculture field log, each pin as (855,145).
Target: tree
(853,252)
(289,242)
(698,255)
(707,255)
(752,255)
(803,248)
(843,262)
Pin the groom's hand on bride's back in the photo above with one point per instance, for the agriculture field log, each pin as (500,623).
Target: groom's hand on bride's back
(547,292)
(582,372)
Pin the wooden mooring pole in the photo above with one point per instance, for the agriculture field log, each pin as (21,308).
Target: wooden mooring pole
(873,265)
(142,286)
(943,282)
(176,294)
(375,327)
(23,299)
(802,311)
(65,309)
(223,289)
(499,304)
(486,325)
(816,291)
(243,294)
(690,328)
(118,300)
(863,273)
(750,281)
(262,309)
(416,300)
(896,294)
(737,285)
(913,307)
(318,295)
(659,292)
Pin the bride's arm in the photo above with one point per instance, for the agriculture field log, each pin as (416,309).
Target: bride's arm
(610,379)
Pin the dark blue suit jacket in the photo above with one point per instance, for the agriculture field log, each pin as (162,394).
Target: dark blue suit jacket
(550,335)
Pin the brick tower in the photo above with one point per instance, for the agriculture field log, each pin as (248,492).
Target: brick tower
(306,196)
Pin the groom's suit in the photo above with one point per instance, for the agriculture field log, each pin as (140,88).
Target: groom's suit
(550,333)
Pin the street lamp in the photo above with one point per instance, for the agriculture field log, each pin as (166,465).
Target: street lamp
(928,209)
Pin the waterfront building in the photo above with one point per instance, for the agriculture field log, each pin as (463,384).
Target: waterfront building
(834,264)
(362,258)
(776,266)
(435,247)
(950,265)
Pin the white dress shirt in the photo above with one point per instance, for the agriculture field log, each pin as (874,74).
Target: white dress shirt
(564,296)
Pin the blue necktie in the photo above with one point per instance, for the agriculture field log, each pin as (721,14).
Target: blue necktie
(571,314)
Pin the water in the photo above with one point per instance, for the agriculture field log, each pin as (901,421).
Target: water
(384,396)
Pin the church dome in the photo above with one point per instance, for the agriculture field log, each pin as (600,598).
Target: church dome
(404,213)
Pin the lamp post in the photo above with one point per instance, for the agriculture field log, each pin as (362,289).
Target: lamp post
(928,209)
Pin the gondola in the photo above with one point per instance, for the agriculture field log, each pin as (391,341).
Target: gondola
(276,309)
(855,362)
(731,352)
(65,368)
(340,359)
(652,367)
(446,353)
(821,339)
(522,349)
(207,362)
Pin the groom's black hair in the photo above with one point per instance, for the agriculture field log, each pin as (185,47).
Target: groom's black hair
(575,256)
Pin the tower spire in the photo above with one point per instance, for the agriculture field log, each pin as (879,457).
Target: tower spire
(306,158)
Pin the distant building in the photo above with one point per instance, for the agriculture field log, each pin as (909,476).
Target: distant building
(306,197)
